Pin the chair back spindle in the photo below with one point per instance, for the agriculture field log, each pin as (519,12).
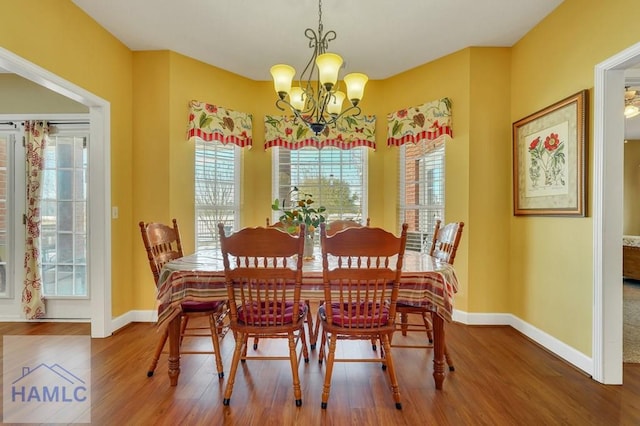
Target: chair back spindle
(162,243)
(263,275)
(446,240)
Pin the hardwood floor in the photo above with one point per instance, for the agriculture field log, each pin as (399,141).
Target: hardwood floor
(501,378)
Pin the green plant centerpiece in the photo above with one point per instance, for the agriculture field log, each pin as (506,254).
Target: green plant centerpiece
(299,209)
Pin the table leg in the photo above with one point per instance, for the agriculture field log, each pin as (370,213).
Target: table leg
(174,350)
(438,350)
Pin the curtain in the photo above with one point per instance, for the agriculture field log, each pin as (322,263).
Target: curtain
(32,298)
(211,122)
(429,122)
(348,132)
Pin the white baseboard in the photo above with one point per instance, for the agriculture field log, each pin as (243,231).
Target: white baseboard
(133,316)
(557,347)
(18,318)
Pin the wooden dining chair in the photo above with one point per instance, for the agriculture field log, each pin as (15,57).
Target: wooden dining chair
(162,244)
(444,246)
(340,224)
(333,227)
(309,318)
(361,274)
(263,274)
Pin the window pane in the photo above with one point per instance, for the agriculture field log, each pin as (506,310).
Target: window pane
(4,157)
(421,192)
(216,190)
(336,178)
(63,216)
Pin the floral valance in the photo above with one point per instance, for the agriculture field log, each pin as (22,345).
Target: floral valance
(348,132)
(428,121)
(210,122)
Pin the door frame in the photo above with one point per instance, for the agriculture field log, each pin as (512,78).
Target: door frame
(99,194)
(608,151)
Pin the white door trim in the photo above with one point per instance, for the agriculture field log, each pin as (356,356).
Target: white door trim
(99,252)
(608,152)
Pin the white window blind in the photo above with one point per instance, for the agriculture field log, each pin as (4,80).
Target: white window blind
(336,178)
(217,191)
(421,192)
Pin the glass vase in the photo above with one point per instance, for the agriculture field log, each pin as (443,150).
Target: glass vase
(308,245)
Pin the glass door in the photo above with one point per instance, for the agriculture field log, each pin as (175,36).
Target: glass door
(63,234)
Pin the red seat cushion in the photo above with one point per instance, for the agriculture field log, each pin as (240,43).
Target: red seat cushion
(191,306)
(267,313)
(342,316)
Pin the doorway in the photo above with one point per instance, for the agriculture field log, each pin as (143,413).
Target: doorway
(99,185)
(608,213)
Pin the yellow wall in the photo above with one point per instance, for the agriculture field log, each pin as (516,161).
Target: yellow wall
(489,175)
(71,45)
(446,77)
(551,258)
(537,268)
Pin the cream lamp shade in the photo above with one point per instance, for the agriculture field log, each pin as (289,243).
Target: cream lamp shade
(296,98)
(328,67)
(282,77)
(355,86)
(335,103)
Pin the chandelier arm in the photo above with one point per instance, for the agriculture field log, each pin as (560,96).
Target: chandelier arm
(315,108)
(324,41)
(335,117)
(305,112)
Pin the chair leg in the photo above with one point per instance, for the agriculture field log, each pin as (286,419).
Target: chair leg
(245,342)
(426,319)
(329,371)
(213,323)
(386,344)
(310,326)
(156,354)
(316,330)
(303,340)
(237,353)
(322,342)
(184,321)
(293,357)
(447,356)
(404,321)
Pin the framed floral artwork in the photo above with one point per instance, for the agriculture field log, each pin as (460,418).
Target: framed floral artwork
(549,160)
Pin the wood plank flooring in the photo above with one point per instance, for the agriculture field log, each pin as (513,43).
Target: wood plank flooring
(501,378)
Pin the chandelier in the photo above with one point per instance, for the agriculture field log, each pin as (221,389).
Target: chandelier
(319,106)
(631,101)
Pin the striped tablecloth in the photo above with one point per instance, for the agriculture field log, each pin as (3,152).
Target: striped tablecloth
(200,277)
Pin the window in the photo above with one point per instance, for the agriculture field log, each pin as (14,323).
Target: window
(217,191)
(63,215)
(421,192)
(6,141)
(336,178)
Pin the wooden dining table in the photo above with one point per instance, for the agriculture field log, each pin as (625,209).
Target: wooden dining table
(424,282)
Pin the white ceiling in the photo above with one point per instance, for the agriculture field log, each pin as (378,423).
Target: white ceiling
(378,37)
